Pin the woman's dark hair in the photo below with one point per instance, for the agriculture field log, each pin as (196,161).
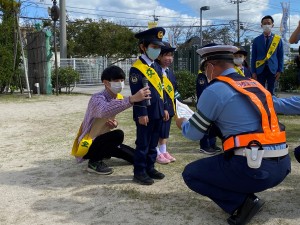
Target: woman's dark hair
(112,73)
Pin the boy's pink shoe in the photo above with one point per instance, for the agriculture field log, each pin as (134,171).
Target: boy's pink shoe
(169,157)
(162,160)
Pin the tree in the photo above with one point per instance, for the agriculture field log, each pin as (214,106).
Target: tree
(9,51)
(100,38)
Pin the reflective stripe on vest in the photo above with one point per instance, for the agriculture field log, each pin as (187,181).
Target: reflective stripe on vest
(270,126)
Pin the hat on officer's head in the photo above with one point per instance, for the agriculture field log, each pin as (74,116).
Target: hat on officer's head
(153,35)
(166,48)
(216,52)
(242,51)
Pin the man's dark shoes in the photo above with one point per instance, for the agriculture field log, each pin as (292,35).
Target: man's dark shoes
(154,174)
(143,179)
(247,211)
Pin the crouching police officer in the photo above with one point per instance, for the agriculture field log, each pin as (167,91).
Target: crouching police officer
(255,154)
(148,115)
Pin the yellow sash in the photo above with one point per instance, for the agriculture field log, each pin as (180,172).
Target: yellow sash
(239,71)
(151,75)
(80,150)
(168,87)
(270,52)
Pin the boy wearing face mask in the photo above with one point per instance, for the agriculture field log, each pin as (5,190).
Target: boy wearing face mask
(99,124)
(239,59)
(267,55)
(148,116)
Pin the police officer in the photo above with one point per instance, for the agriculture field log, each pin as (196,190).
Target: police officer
(255,154)
(148,116)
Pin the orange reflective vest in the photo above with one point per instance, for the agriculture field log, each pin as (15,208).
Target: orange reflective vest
(271,132)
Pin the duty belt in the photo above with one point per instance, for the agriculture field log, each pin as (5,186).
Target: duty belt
(267,153)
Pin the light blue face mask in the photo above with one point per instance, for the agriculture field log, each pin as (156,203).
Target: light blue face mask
(153,53)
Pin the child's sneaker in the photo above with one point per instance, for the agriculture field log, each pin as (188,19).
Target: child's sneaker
(169,157)
(161,159)
(99,167)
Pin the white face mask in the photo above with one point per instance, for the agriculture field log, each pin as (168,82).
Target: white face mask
(267,28)
(238,61)
(116,87)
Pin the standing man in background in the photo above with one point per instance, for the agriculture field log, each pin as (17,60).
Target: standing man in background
(267,55)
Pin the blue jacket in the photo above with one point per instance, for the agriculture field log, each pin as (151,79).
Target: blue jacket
(259,51)
(158,105)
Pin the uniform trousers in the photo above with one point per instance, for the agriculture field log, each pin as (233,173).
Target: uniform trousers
(228,182)
(110,145)
(269,77)
(146,142)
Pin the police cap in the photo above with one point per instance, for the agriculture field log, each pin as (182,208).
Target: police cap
(166,48)
(153,35)
(242,51)
(216,52)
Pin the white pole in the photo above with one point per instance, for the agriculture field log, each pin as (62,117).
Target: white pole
(24,60)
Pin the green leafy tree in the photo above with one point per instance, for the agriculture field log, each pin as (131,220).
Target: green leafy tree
(9,51)
(100,38)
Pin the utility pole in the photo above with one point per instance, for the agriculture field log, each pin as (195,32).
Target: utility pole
(63,29)
(237,2)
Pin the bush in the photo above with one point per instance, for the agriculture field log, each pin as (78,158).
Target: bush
(288,80)
(186,84)
(67,77)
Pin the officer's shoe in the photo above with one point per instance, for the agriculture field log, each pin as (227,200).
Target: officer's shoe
(143,179)
(208,151)
(216,148)
(154,174)
(247,211)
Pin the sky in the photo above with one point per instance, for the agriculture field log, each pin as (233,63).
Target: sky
(172,12)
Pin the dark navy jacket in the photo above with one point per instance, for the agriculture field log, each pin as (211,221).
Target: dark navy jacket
(156,109)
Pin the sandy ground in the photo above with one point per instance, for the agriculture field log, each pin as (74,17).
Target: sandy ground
(40,183)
